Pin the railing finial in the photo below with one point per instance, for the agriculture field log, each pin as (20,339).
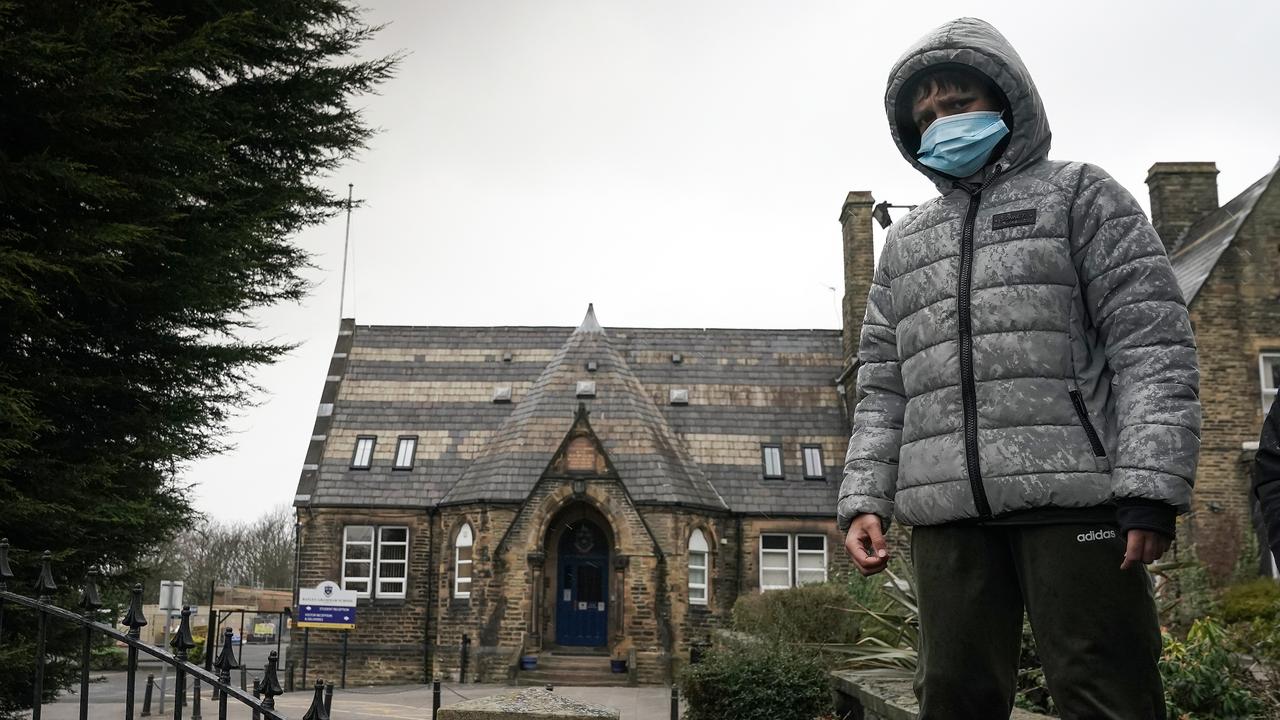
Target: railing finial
(90,600)
(6,572)
(317,710)
(182,641)
(45,586)
(135,619)
(226,661)
(271,681)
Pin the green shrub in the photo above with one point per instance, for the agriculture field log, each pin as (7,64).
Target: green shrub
(756,681)
(108,658)
(807,614)
(1203,679)
(1184,592)
(1255,599)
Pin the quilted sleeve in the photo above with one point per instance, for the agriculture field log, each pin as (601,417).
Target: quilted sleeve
(871,464)
(1133,300)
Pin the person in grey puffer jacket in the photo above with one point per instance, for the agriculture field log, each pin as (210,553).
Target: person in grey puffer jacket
(1028,397)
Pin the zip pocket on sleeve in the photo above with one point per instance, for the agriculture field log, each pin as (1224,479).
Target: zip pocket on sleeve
(1083,414)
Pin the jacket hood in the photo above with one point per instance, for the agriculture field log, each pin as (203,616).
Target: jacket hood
(975,44)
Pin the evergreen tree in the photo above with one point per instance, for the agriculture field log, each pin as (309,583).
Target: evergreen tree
(156,158)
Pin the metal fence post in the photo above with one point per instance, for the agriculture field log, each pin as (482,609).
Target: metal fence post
(146,696)
(435,698)
(257,695)
(135,621)
(45,587)
(90,601)
(675,703)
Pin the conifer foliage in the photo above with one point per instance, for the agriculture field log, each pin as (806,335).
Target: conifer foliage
(156,159)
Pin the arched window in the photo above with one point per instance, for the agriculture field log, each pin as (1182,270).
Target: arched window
(698,554)
(462,563)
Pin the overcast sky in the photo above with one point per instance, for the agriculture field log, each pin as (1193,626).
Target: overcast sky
(682,164)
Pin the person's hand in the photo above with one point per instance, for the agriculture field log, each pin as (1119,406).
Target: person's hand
(866,545)
(1143,546)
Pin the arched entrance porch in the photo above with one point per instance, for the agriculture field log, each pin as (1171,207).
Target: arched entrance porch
(578,591)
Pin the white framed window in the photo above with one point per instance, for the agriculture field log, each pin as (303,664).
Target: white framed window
(792,560)
(1269,372)
(405,448)
(775,562)
(357,559)
(813,468)
(362,458)
(698,554)
(393,561)
(375,560)
(462,562)
(811,559)
(772,456)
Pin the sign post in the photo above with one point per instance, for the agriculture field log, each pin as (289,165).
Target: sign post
(325,607)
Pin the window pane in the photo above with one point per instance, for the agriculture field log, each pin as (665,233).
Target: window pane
(359,551)
(357,571)
(775,560)
(811,542)
(364,452)
(697,542)
(361,586)
(359,533)
(698,560)
(464,536)
(390,587)
(697,576)
(772,460)
(804,577)
(404,452)
(395,535)
(775,578)
(774,542)
(464,554)
(813,461)
(391,570)
(464,571)
(1272,373)
(698,595)
(811,561)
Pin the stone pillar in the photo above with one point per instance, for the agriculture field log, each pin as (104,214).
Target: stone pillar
(1181,194)
(537,560)
(859,264)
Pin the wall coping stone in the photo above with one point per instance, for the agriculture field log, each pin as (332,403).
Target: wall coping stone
(527,704)
(888,698)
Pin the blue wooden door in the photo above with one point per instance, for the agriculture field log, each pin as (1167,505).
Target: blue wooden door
(582,598)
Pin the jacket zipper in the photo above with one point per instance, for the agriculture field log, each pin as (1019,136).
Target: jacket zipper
(968,390)
(1083,412)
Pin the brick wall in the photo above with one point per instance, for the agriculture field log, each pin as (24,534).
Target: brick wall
(1181,193)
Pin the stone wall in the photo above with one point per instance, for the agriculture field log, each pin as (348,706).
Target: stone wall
(389,642)
(1236,317)
(859,698)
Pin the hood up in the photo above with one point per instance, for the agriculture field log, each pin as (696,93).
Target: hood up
(977,45)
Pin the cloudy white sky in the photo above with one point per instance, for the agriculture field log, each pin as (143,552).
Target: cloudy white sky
(682,164)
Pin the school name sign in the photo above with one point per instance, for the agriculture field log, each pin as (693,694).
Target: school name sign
(327,606)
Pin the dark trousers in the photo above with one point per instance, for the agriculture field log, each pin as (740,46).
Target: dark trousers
(1095,626)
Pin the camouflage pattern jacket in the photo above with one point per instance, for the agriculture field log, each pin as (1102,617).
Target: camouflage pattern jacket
(1025,343)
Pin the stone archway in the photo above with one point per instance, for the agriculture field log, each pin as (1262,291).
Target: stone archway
(579,590)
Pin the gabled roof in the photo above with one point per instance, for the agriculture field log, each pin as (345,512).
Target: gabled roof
(651,460)
(1198,250)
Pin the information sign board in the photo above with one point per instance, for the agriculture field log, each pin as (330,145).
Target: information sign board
(327,606)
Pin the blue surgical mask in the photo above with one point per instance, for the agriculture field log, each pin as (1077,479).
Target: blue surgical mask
(959,145)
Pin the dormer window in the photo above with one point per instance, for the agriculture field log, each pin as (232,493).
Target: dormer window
(586,388)
(679,396)
(405,448)
(772,457)
(502,393)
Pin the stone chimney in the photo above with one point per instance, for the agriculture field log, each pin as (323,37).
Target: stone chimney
(859,264)
(1181,194)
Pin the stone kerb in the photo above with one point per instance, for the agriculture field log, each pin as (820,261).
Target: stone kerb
(528,704)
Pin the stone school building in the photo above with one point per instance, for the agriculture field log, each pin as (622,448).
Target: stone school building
(581,494)
(602,493)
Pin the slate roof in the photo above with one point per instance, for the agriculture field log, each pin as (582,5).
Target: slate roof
(1198,250)
(745,387)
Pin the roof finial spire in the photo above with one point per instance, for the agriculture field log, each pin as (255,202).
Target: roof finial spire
(589,323)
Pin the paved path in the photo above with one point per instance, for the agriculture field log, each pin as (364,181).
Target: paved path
(406,702)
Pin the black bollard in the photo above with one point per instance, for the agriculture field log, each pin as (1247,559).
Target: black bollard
(195,700)
(257,695)
(550,688)
(328,698)
(244,675)
(288,677)
(146,696)
(675,703)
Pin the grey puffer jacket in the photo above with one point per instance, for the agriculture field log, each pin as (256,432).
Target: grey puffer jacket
(1025,344)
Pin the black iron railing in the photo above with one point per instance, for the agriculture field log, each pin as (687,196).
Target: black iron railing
(261,701)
